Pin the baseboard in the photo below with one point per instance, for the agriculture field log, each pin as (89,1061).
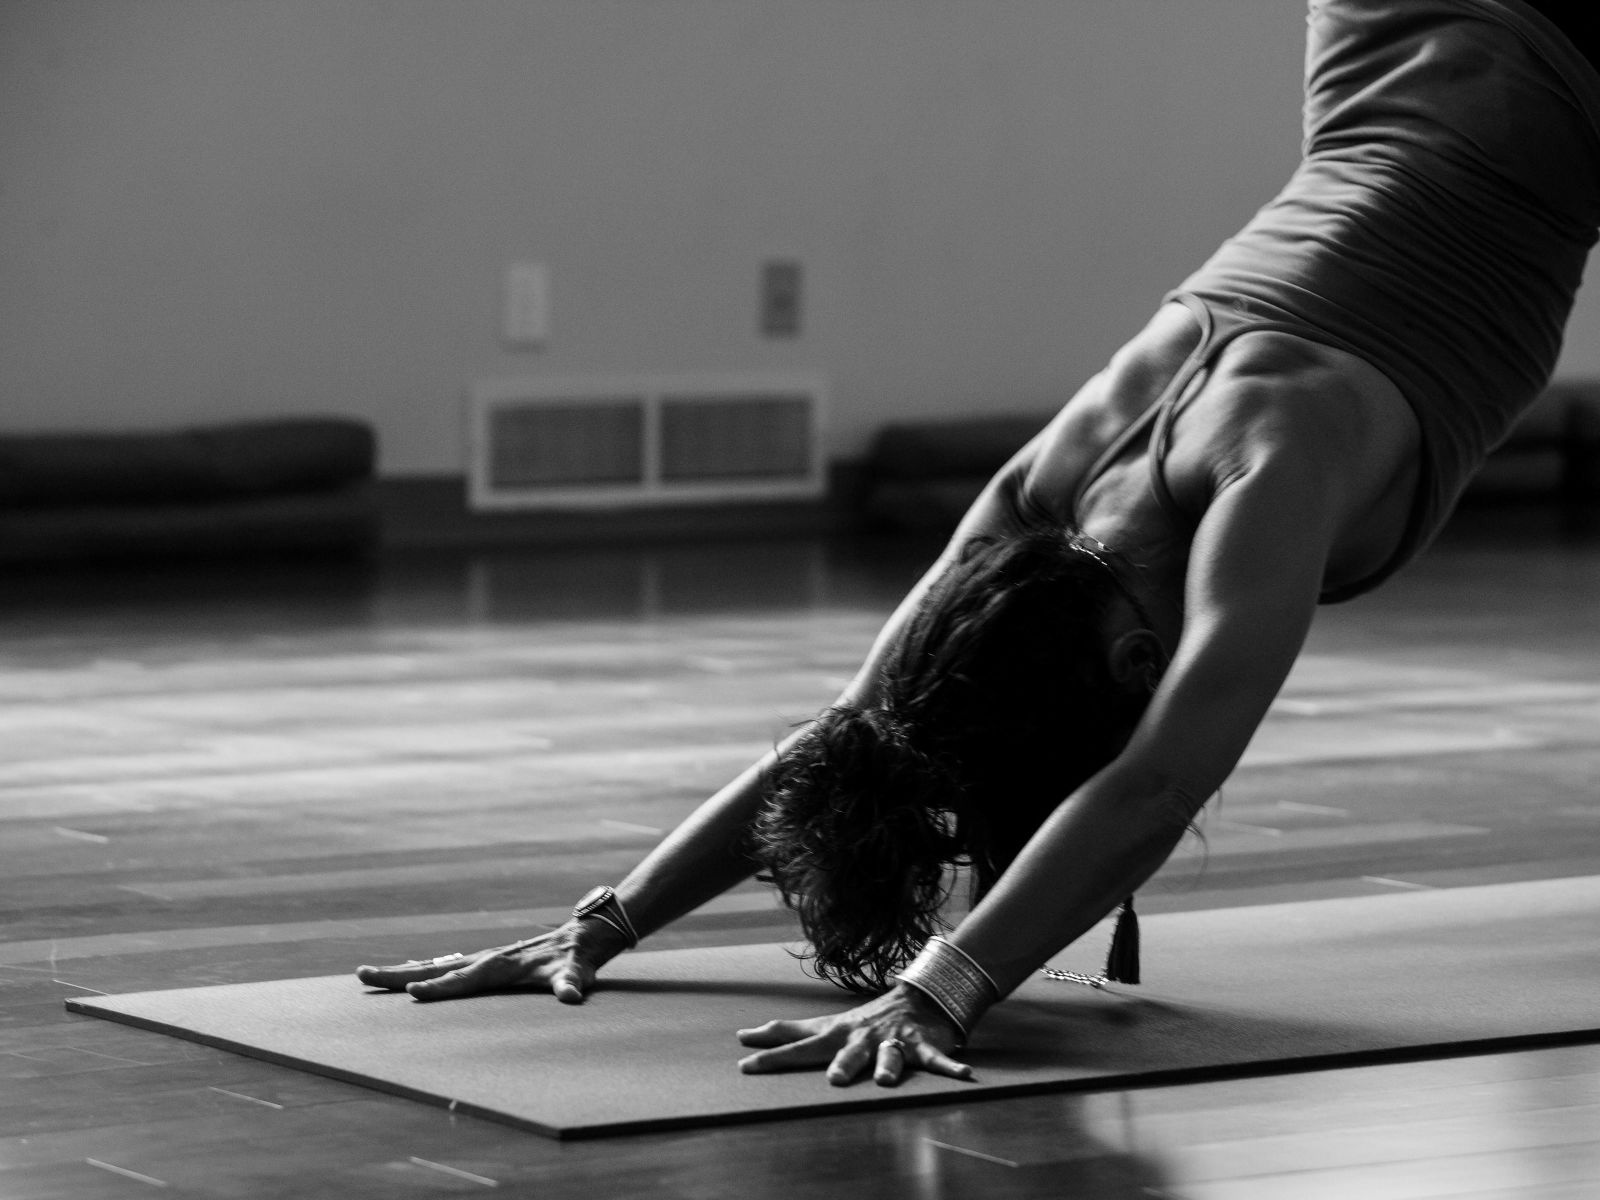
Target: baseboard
(430,512)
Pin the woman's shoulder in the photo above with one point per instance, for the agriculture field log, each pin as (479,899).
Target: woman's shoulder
(1271,393)
(1277,405)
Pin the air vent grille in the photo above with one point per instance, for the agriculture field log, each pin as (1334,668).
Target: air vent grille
(735,437)
(566,444)
(649,440)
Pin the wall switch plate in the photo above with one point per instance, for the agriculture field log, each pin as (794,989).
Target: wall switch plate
(526,319)
(780,298)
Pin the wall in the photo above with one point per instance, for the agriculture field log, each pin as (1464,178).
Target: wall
(212,209)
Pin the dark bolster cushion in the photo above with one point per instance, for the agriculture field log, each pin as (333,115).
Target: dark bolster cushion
(342,521)
(215,462)
(951,448)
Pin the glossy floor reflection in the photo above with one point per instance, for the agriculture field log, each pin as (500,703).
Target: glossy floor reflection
(222,774)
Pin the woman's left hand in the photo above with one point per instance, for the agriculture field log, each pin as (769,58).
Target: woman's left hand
(902,1030)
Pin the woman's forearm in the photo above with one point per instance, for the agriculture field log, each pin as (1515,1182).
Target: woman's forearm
(702,858)
(1094,851)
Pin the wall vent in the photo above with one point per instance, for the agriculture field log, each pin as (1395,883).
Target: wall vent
(663,439)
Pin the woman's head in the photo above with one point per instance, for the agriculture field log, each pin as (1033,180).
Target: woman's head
(1003,693)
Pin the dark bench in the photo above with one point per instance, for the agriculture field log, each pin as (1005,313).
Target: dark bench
(250,487)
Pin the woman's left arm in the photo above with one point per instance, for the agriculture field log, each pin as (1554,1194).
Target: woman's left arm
(1254,575)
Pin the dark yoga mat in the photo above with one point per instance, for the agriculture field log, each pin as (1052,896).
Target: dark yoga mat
(1229,992)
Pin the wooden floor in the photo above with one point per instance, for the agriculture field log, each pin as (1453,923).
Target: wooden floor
(228,776)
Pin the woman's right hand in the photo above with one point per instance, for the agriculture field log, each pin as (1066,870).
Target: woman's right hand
(564,960)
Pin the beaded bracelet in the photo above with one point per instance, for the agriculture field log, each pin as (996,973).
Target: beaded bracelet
(953,980)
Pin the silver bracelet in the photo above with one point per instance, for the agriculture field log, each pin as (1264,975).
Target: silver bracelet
(604,903)
(617,925)
(953,980)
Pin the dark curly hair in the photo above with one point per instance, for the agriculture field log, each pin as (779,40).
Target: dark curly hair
(995,703)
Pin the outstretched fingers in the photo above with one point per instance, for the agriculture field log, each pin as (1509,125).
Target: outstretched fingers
(502,969)
(813,1051)
(936,1061)
(395,978)
(848,1057)
(554,960)
(570,983)
(778,1033)
(859,1050)
(890,1065)
(892,1060)
(463,981)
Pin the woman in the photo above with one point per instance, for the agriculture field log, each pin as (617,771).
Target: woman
(1291,427)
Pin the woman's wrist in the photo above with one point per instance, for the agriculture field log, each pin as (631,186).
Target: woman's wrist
(927,1012)
(953,981)
(598,941)
(603,904)
(601,925)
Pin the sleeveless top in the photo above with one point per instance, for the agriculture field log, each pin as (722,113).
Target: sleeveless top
(1437,227)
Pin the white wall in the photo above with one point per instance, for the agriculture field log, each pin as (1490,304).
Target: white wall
(220,208)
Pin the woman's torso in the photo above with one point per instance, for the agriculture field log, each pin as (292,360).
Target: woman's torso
(1440,220)
(1426,253)
(1267,396)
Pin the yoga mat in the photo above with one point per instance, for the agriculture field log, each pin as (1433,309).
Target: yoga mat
(1229,992)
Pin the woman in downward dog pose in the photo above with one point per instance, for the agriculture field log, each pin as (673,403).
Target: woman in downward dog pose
(1086,661)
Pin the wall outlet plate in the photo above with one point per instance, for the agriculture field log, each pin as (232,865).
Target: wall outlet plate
(780,297)
(526,315)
